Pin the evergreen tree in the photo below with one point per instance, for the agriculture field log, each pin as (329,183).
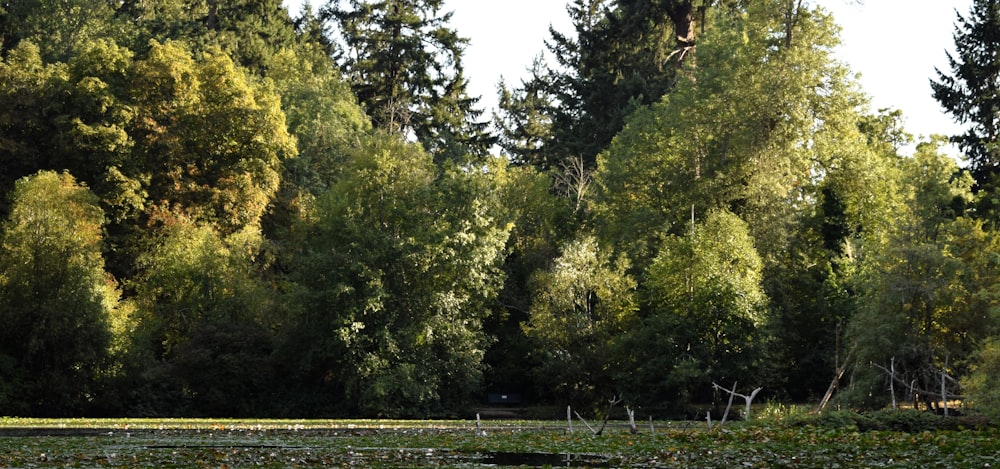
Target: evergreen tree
(624,55)
(250,31)
(970,93)
(405,65)
(58,27)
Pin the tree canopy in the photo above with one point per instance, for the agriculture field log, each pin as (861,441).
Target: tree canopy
(216,209)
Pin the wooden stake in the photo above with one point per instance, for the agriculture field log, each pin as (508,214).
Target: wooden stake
(569,419)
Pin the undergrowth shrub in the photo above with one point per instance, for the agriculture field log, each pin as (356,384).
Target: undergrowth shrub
(982,385)
(909,421)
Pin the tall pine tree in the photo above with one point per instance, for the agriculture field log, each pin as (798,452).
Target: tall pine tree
(970,91)
(405,64)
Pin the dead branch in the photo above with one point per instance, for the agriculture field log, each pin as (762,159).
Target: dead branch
(584,422)
(913,385)
(732,393)
(569,419)
(615,400)
(833,387)
(604,423)
(631,420)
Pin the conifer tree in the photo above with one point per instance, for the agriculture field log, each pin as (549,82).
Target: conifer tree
(969,90)
(405,64)
(251,31)
(624,55)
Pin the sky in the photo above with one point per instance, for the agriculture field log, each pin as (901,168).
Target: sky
(894,46)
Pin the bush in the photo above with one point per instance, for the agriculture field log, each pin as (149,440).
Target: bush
(982,385)
(909,421)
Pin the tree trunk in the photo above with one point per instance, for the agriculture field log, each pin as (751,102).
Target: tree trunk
(682,15)
(833,386)
(212,21)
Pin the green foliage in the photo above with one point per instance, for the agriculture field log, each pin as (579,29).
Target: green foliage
(68,116)
(56,302)
(968,90)
(623,55)
(541,222)
(194,275)
(886,420)
(286,248)
(325,119)
(405,65)
(204,316)
(747,131)
(398,267)
(925,298)
(200,122)
(60,28)
(251,32)
(323,115)
(770,128)
(581,305)
(170,134)
(980,385)
(705,308)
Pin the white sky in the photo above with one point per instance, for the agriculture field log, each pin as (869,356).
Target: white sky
(893,44)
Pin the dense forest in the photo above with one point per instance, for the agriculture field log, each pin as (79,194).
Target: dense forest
(214,208)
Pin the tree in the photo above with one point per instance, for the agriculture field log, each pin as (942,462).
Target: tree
(745,131)
(541,223)
(211,138)
(6,32)
(405,65)
(59,27)
(812,284)
(56,302)
(525,119)
(249,31)
(324,117)
(926,297)
(70,116)
(981,387)
(969,90)
(165,135)
(205,316)
(624,55)
(395,274)
(769,128)
(581,305)
(703,317)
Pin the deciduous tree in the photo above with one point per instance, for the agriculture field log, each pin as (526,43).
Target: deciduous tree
(205,316)
(397,269)
(704,312)
(581,306)
(925,299)
(57,303)
(211,138)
